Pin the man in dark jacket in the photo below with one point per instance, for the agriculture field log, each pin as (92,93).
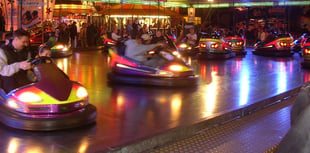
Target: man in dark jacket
(91,33)
(14,61)
(158,38)
(63,35)
(73,34)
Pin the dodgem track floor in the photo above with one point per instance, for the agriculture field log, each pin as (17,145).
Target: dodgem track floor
(137,118)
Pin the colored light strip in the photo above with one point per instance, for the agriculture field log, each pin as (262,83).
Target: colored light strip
(184,3)
(249,4)
(175,4)
(217,5)
(295,3)
(167,4)
(72,6)
(146,16)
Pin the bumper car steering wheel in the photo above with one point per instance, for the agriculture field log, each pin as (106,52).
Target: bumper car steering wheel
(42,59)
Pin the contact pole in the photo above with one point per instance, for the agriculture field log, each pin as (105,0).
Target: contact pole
(158,4)
(21,13)
(42,18)
(12,3)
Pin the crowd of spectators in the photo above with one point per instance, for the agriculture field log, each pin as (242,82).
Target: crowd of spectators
(67,33)
(254,31)
(89,34)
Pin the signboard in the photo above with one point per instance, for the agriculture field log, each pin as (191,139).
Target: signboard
(26,13)
(191,14)
(31,13)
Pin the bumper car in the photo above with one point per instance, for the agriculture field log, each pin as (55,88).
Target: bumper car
(212,47)
(53,102)
(187,50)
(170,42)
(61,50)
(237,44)
(36,39)
(175,72)
(108,43)
(306,53)
(277,45)
(297,44)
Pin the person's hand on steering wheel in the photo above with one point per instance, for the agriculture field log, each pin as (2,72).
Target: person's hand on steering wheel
(41,59)
(160,44)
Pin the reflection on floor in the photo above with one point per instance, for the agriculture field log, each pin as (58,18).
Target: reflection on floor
(130,113)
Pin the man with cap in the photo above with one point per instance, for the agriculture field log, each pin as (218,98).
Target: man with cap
(137,51)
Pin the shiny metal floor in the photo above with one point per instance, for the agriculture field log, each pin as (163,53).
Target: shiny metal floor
(256,133)
(130,114)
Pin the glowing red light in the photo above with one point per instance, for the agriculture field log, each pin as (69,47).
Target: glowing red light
(239,43)
(151,52)
(106,41)
(203,45)
(215,45)
(307,51)
(283,44)
(229,43)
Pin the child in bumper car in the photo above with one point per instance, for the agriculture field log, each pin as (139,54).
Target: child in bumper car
(44,51)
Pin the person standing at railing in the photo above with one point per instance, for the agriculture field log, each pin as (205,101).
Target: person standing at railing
(73,34)
(83,36)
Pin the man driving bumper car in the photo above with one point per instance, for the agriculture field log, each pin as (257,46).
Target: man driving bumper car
(138,51)
(146,64)
(14,61)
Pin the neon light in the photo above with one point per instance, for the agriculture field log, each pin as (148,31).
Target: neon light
(249,4)
(295,3)
(72,6)
(146,16)
(218,5)
(184,4)
(173,4)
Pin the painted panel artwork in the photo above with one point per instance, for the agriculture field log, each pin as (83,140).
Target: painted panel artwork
(31,13)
